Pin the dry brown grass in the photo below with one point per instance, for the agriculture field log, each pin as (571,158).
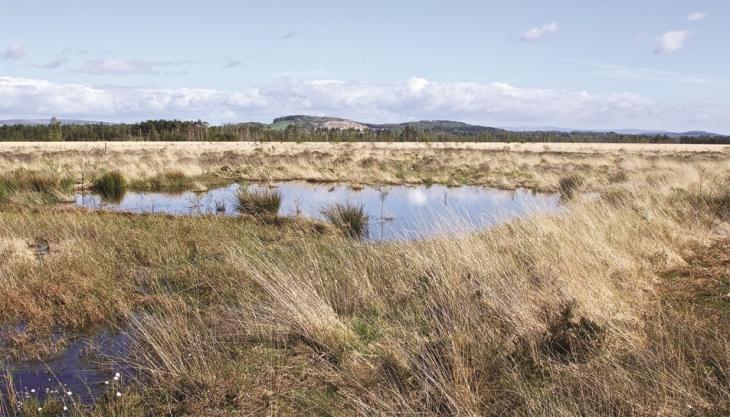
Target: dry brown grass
(574,314)
(501,165)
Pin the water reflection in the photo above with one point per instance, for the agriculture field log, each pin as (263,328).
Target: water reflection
(395,212)
(87,368)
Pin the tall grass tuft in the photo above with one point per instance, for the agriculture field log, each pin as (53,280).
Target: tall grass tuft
(569,185)
(571,339)
(258,201)
(47,187)
(111,185)
(349,218)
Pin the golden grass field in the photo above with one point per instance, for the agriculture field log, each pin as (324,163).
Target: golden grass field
(619,306)
(501,165)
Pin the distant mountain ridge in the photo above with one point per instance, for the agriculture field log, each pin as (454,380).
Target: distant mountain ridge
(439,127)
(460,128)
(692,133)
(435,126)
(43,122)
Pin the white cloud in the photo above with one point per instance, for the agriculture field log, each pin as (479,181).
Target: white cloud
(696,16)
(31,96)
(417,84)
(14,51)
(127,66)
(540,32)
(416,98)
(671,41)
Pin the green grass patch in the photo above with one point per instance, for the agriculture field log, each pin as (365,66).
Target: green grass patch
(111,185)
(367,328)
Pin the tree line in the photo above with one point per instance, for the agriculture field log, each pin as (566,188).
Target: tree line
(181,130)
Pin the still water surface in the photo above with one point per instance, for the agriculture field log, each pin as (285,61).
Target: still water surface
(395,212)
(87,369)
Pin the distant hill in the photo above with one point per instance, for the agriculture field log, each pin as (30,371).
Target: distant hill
(434,126)
(633,132)
(315,122)
(440,127)
(449,127)
(44,122)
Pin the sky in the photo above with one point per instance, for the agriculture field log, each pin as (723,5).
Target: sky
(645,64)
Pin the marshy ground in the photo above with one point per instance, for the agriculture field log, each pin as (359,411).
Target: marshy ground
(183,165)
(617,306)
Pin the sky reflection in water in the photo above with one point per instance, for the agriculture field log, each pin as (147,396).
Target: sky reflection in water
(395,212)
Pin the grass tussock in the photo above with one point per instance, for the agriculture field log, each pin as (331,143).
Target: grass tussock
(111,185)
(349,218)
(258,201)
(568,186)
(41,187)
(571,339)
